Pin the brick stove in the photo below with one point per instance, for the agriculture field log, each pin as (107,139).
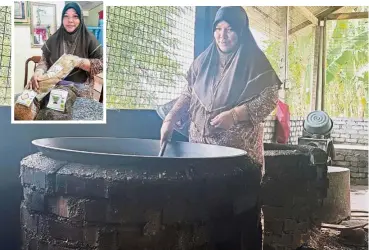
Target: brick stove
(96,207)
(88,207)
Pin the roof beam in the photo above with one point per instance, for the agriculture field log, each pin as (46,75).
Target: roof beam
(328,11)
(266,15)
(307,13)
(319,16)
(347,16)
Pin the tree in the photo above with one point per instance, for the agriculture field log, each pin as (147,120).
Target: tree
(347,67)
(300,54)
(140,51)
(346,90)
(300,68)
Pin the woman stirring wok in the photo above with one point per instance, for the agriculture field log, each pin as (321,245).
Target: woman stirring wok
(231,89)
(74,38)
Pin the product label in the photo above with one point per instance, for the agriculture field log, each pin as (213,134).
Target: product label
(58,98)
(26,98)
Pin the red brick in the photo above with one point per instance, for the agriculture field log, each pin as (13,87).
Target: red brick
(68,207)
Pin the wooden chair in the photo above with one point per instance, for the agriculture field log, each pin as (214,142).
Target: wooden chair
(35,60)
(99,88)
(101,99)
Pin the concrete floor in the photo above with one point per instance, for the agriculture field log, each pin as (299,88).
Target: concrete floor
(359,198)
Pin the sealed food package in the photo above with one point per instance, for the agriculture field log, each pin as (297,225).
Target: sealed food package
(57,72)
(26,106)
(57,99)
(59,105)
(26,98)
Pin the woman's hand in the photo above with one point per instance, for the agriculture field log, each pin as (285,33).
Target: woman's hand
(224,120)
(33,83)
(84,64)
(166,131)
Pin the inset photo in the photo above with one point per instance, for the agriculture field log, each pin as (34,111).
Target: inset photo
(58,73)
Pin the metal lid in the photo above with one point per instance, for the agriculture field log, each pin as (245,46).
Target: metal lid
(318,122)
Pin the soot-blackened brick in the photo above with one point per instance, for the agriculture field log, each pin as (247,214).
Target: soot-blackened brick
(39,171)
(289,225)
(79,180)
(34,199)
(29,220)
(107,240)
(62,229)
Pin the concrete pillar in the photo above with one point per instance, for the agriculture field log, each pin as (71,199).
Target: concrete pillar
(204,27)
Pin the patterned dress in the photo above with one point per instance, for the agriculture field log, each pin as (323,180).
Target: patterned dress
(247,135)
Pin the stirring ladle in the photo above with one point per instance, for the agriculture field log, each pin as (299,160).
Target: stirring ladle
(162,148)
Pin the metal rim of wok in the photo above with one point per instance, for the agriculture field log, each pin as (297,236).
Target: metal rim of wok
(48,147)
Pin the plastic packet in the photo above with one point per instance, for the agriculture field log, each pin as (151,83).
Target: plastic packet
(26,98)
(58,71)
(57,100)
(26,106)
(49,113)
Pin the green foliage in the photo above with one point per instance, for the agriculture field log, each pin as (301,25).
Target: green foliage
(300,61)
(347,68)
(272,52)
(300,67)
(346,73)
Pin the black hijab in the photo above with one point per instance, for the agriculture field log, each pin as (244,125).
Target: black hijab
(81,42)
(245,76)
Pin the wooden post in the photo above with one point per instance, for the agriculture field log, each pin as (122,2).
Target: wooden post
(324,58)
(286,47)
(316,70)
(283,64)
(319,70)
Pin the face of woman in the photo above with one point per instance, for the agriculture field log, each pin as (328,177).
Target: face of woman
(71,20)
(225,37)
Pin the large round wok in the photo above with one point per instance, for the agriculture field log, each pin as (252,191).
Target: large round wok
(118,151)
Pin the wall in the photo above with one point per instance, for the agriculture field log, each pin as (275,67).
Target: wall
(269,129)
(350,137)
(295,129)
(354,158)
(350,131)
(93,16)
(203,27)
(23,50)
